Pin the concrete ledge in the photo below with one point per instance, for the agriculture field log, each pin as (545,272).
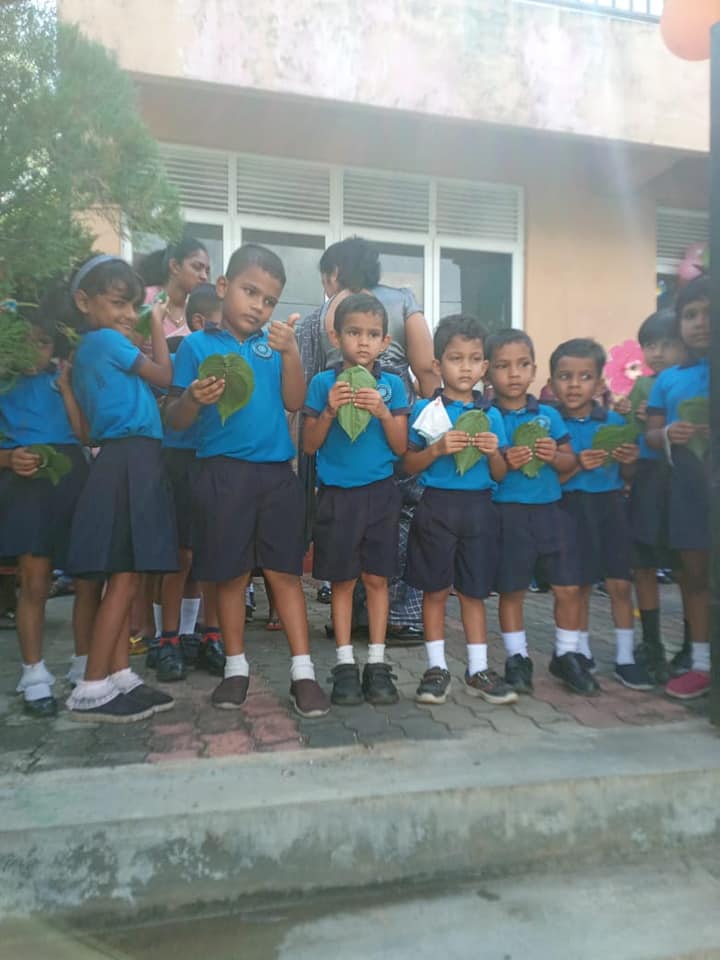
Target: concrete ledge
(116,841)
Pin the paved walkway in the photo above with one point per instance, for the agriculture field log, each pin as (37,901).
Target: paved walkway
(194,729)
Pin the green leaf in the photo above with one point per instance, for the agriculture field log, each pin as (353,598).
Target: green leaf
(352,420)
(639,394)
(696,410)
(239,381)
(472,422)
(526,435)
(142,327)
(53,464)
(18,353)
(612,436)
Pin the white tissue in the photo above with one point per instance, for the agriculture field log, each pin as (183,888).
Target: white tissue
(433,422)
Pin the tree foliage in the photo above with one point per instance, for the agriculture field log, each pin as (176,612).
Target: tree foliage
(72,141)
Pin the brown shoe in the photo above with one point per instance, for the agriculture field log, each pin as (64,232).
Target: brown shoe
(309,699)
(230,693)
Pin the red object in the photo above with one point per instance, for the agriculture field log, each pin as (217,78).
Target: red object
(685,27)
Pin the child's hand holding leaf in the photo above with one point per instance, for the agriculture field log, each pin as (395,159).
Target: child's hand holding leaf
(368,399)
(626,453)
(207,391)
(23,462)
(518,457)
(592,459)
(545,449)
(486,443)
(452,442)
(237,379)
(340,393)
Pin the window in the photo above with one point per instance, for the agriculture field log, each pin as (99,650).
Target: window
(477,282)
(300,254)
(403,266)
(212,235)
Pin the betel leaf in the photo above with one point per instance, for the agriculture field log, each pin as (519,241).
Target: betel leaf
(696,410)
(613,435)
(142,327)
(239,381)
(526,435)
(53,464)
(353,420)
(19,354)
(472,422)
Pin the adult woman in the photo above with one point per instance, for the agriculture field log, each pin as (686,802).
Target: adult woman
(184,265)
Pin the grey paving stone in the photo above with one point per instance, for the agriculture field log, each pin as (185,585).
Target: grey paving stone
(424,728)
(369,723)
(452,714)
(330,735)
(506,721)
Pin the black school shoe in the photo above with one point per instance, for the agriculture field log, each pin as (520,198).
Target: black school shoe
(170,665)
(634,676)
(405,636)
(41,709)
(651,655)
(377,684)
(211,657)
(190,648)
(569,669)
(346,688)
(146,696)
(434,686)
(519,673)
(121,709)
(682,661)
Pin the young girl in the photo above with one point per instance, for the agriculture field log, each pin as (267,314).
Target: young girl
(35,514)
(124,521)
(685,443)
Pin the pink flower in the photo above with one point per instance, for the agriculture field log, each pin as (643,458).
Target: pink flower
(624,365)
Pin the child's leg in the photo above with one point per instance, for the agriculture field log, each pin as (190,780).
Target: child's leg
(510,613)
(35,576)
(85,608)
(566,665)
(341,615)
(479,681)
(646,590)
(172,592)
(631,674)
(378,606)
(584,623)
(696,682)
(210,611)
(435,683)
(230,596)
(112,615)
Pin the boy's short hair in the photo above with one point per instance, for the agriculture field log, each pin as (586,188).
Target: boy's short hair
(457,325)
(203,300)
(584,348)
(658,326)
(360,303)
(698,289)
(254,255)
(496,341)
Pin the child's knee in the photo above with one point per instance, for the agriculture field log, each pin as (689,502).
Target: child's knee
(375,583)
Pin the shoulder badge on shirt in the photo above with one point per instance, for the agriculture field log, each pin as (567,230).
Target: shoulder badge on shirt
(385,391)
(262,350)
(542,421)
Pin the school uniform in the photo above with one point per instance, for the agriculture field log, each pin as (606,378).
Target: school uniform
(358,505)
(124,517)
(689,505)
(35,515)
(248,503)
(533,526)
(178,452)
(595,501)
(455,533)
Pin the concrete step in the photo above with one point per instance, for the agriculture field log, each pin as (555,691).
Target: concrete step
(114,842)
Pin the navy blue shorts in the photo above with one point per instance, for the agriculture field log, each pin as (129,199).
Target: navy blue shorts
(602,529)
(181,468)
(125,518)
(356,531)
(454,540)
(649,516)
(536,534)
(246,515)
(35,516)
(689,515)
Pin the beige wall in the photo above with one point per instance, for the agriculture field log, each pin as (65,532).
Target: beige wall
(507,62)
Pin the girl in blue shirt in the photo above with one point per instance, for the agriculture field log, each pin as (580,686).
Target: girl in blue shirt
(124,522)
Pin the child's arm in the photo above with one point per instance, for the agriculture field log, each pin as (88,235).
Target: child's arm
(76,417)
(181,412)
(419,348)
(489,444)
(586,460)
(677,433)
(560,456)
(158,371)
(316,428)
(394,427)
(20,461)
(415,461)
(281,337)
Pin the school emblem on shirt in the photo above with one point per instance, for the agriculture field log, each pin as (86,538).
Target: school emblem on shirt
(385,392)
(542,421)
(262,350)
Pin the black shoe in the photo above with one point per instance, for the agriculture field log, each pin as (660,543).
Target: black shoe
(121,709)
(519,673)
(146,696)
(407,636)
(588,663)
(434,686)
(212,657)
(569,669)
(170,667)
(651,655)
(190,648)
(634,676)
(377,683)
(249,612)
(42,708)
(682,661)
(324,594)
(346,689)
(152,655)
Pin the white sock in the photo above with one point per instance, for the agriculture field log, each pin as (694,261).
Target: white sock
(376,653)
(37,691)
(33,673)
(237,666)
(566,641)
(584,644)
(701,657)
(92,693)
(436,654)
(76,673)
(157,619)
(477,658)
(301,668)
(345,653)
(126,680)
(249,594)
(515,642)
(624,642)
(189,610)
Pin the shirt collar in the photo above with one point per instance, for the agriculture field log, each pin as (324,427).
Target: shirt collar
(377,369)
(531,405)
(597,412)
(216,328)
(694,362)
(478,401)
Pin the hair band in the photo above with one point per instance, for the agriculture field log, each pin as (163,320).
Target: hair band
(90,265)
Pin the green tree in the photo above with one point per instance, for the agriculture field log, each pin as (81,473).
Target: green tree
(71,141)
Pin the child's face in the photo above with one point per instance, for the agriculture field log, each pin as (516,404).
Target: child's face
(575,382)
(461,366)
(361,339)
(248,300)
(695,325)
(512,370)
(664,353)
(198,321)
(44,347)
(111,309)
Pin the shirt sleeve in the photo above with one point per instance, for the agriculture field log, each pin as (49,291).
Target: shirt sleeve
(121,352)
(398,398)
(558,429)
(657,401)
(414,438)
(497,426)
(409,303)
(186,365)
(317,394)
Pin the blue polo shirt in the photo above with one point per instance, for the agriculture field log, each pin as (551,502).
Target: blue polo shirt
(646,451)
(115,400)
(259,432)
(442,473)
(340,462)
(582,430)
(34,412)
(545,487)
(682,382)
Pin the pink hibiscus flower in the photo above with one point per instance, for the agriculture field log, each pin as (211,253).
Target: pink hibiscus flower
(624,365)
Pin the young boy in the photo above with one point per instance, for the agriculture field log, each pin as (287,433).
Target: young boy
(533,525)
(248,502)
(593,497)
(358,510)
(454,533)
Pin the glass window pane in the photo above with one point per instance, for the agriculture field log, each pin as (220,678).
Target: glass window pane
(403,265)
(211,235)
(300,254)
(479,283)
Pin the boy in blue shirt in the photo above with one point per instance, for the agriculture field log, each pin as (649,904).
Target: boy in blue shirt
(248,501)
(593,496)
(358,511)
(455,531)
(533,525)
